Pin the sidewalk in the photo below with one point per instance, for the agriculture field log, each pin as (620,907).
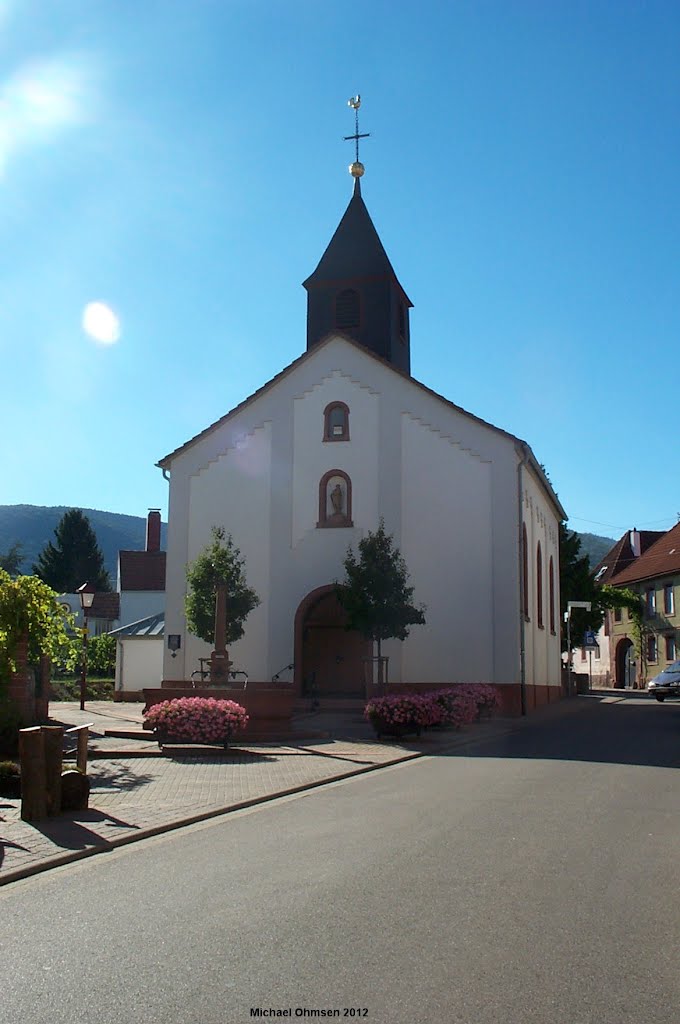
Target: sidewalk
(137,793)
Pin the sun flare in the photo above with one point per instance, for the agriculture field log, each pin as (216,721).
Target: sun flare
(101,323)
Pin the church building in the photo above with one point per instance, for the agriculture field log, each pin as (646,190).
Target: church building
(341,437)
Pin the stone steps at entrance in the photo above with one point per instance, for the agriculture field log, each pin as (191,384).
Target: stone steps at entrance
(304,705)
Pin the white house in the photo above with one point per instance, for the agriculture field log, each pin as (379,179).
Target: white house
(139,657)
(141,575)
(309,464)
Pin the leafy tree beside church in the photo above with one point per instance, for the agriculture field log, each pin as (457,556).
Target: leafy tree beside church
(375,593)
(75,557)
(220,562)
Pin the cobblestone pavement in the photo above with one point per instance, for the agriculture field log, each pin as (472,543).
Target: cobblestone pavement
(133,796)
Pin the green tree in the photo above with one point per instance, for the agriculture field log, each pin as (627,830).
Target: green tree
(101,656)
(375,592)
(577,584)
(29,608)
(220,562)
(74,559)
(11,560)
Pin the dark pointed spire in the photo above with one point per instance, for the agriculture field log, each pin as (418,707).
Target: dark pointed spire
(354,289)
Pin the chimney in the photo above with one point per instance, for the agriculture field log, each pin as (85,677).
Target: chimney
(153,530)
(634,537)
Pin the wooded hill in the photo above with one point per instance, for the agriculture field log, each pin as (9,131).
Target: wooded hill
(33,526)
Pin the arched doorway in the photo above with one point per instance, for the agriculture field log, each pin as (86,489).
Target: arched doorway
(625,663)
(328,657)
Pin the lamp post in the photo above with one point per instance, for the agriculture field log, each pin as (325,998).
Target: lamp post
(86,594)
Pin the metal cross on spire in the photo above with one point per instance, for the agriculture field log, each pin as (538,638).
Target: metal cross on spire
(357,168)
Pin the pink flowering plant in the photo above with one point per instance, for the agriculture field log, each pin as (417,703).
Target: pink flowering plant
(457,705)
(402,713)
(451,706)
(485,696)
(196,720)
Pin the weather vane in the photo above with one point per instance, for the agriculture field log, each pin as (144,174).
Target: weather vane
(357,168)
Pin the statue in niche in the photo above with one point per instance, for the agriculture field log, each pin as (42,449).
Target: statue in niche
(337,500)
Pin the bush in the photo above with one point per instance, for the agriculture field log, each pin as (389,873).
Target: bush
(10,722)
(458,706)
(196,719)
(69,689)
(10,779)
(403,710)
(454,706)
(485,696)
(101,655)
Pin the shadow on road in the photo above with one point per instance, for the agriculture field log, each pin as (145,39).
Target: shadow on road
(631,731)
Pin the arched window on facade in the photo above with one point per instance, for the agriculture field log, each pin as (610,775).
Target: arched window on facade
(347,309)
(336,422)
(335,499)
(551,587)
(525,572)
(539,586)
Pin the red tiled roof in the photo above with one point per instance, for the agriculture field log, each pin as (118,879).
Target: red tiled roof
(621,555)
(661,559)
(105,606)
(142,570)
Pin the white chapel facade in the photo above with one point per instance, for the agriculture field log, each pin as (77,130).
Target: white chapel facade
(311,462)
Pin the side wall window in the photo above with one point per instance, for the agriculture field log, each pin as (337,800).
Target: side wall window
(539,586)
(551,586)
(525,572)
(336,422)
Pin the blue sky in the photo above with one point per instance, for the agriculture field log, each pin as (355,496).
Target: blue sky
(184,164)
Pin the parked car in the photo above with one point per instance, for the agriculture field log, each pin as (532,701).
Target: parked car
(667,683)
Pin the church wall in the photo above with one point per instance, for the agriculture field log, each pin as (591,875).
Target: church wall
(542,647)
(452,507)
(234,492)
(313,457)
(222,481)
(447,540)
(304,556)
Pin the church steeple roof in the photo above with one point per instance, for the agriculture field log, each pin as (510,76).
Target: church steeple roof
(355,250)
(354,288)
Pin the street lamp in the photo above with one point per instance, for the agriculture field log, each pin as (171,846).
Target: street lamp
(86,594)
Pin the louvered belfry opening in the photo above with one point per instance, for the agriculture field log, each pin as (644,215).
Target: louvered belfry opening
(347,309)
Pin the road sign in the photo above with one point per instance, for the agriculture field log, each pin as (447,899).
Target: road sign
(590,641)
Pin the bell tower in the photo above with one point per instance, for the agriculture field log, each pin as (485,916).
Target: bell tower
(354,288)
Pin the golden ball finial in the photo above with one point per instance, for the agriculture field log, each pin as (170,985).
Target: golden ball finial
(357,169)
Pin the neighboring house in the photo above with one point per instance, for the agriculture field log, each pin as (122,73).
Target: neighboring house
(141,575)
(309,464)
(139,657)
(598,663)
(653,572)
(102,617)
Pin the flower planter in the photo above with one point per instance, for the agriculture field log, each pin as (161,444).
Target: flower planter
(164,738)
(394,729)
(195,720)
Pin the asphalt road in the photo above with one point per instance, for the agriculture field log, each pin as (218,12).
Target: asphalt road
(534,878)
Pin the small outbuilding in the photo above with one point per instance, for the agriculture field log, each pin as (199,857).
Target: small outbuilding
(139,657)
